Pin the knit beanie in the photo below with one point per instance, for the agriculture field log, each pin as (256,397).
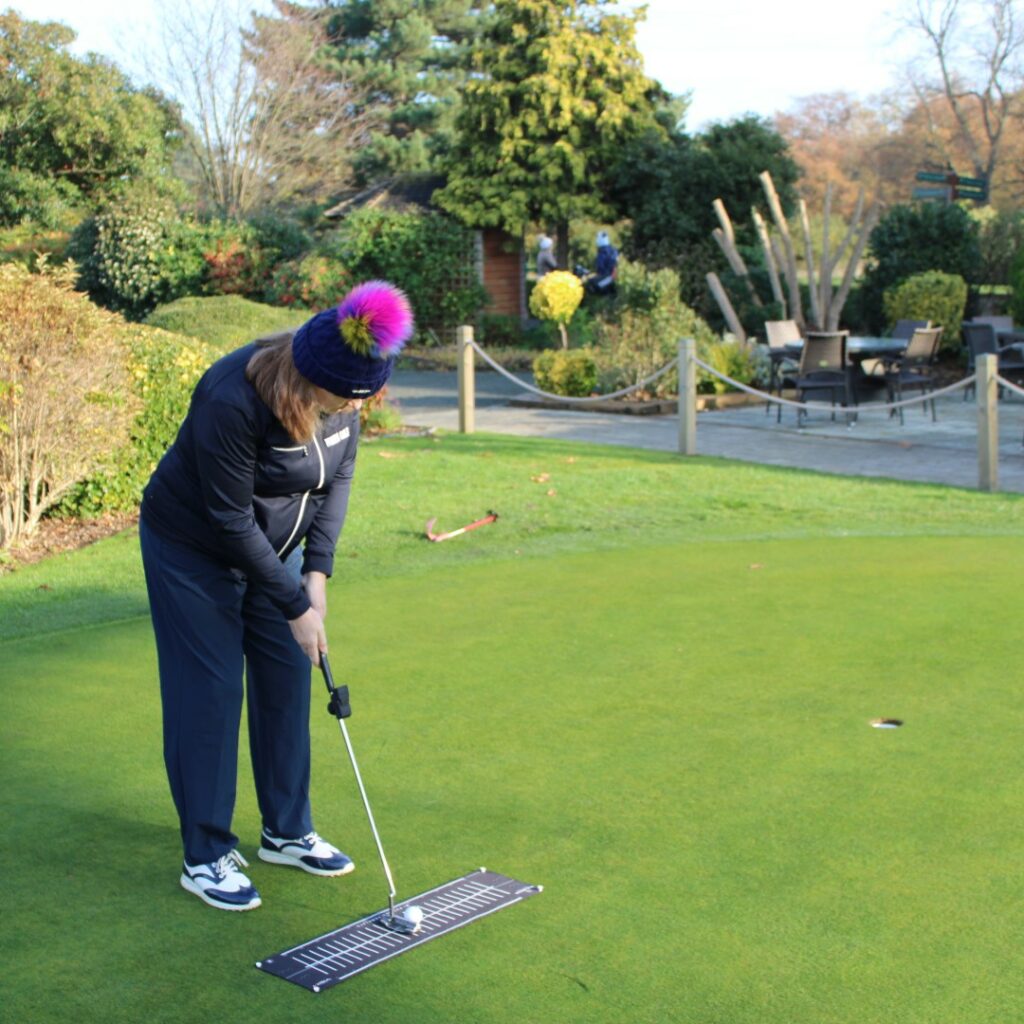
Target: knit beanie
(350,351)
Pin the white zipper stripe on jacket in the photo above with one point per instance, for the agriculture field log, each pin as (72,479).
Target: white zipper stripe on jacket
(305,499)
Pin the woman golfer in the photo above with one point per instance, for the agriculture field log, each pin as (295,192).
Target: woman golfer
(238,528)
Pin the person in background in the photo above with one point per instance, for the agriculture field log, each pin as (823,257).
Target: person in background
(605,265)
(238,527)
(545,256)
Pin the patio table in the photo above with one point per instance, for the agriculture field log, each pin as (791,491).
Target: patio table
(858,349)
(1011,339)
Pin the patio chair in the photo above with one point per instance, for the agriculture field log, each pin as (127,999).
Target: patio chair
(981,340)
(1001,324)
(998,323)
(823,367)
(779,334)
(904,330)
(914,368)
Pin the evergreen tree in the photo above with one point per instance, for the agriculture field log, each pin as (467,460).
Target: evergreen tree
(409,56)
(666,188)
(556,90)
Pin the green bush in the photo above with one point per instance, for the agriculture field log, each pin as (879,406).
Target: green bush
(933,296)
(500,330)
(1016,308)
(910,240)
(224,321)
(1000,238)
(430,256)
(280,237)
(163,369)
(138,252)
(731,357)
(570,372)
(313,282)
(640,330)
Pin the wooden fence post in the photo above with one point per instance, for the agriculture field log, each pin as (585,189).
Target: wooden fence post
(467,380)
(687,397)
(987,391)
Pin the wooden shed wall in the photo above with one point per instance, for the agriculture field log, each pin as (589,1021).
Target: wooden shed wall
(504,273)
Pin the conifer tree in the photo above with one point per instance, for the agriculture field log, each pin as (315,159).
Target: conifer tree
(409,56)
(556,89)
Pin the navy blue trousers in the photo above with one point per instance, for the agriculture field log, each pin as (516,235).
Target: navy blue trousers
(208,623)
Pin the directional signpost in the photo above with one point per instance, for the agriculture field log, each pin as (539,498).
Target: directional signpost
(948,186)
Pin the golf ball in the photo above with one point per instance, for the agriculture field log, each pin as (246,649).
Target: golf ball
(414,915)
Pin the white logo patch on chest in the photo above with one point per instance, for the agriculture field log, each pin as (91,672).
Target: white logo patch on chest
(335,438)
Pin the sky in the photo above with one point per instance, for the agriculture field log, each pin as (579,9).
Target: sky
(733,56)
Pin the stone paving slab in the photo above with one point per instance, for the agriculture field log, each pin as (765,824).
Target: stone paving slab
(876,445)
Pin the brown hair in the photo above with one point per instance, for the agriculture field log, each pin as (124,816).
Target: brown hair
(290,397)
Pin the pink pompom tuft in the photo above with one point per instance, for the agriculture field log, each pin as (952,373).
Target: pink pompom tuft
(385,311)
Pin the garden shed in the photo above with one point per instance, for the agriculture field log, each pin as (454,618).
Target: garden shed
(497,259)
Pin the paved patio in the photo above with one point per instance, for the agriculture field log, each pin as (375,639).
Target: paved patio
(944,452)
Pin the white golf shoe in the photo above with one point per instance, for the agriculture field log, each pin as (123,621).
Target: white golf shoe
(309,852)
(221,883)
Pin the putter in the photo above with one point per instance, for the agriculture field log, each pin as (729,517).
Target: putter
(489,518)
(409,920)
(338,955)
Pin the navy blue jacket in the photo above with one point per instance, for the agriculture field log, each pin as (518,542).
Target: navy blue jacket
(607,260)
(235,486)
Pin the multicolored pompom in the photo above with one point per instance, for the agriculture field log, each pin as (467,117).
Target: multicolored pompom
(375,319)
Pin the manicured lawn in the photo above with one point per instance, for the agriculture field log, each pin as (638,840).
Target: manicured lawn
(604,499)
(649,692)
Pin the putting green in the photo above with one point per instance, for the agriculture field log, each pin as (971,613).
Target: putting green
(673,740)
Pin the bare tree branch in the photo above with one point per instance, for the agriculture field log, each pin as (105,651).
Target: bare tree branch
(270,122)
(973,68)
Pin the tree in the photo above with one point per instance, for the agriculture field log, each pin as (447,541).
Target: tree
(1000,238)
(70,128)
(969,82)
(667,184)
(409,58)
(556,91)
(911,239)
(840,141)
(269,121)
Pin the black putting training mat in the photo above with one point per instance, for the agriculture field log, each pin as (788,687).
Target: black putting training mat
(353,948)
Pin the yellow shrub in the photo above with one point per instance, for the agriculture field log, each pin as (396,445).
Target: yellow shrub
(556,296)
(65,399)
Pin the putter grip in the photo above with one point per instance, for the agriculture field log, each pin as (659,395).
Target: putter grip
(339,705)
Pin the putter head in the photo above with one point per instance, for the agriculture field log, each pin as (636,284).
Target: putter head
(407,921)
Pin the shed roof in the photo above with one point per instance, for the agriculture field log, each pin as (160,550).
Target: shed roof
(404,193)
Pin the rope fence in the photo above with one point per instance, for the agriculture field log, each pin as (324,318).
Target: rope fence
(810,406)
(568,398)
(1009,385)
(986,381)
(767,396)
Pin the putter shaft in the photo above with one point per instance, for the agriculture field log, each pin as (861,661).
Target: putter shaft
(329,680)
